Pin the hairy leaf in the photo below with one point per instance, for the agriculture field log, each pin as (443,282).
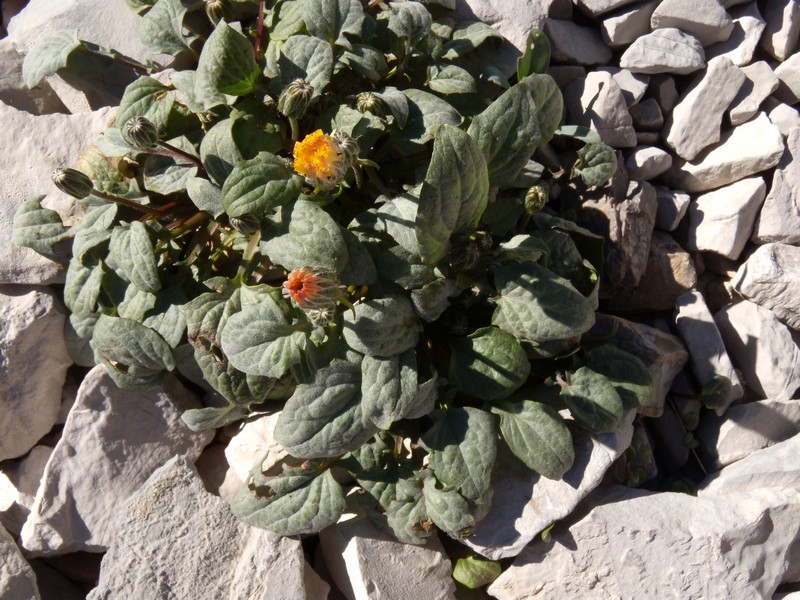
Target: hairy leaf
(381,327)
(49,54)
(304,57)
(475,571)
(259,185)
(40,229)
(332,20)
(226,63)
(592,400)
(162,27)
(627,374)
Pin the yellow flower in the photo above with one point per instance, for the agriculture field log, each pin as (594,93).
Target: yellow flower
(319,158)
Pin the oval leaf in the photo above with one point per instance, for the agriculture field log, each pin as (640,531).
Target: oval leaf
(259,185)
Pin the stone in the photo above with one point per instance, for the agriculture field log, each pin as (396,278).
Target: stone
(571,43)
(40,145)
(647,138)
(597,102)
(33,366)
(706,20)
(662,88)
(663,354)
(742,151)
(9,9)
(670,435)
(647,115)
(627,24)
(669,273)
(18,485)
(641,544)
(761,82)
(524,503)
(565,75)
(664,51)
(633,85)
(647,162)
(218,477)
(366,562)
(672,206)
(788,74)
(762,348)
(722,221)
(211,554)
(783,116)
(255,442)
(599,7)
(53,585)
(696,120)
(741,45)
(771,277)
(779,220)
(707,355)
(779,39)
(15,93)
(106,428)
(17,579)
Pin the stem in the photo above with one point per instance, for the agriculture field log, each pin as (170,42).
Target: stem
(178,153)
(120,60)
(246,266)
(295,128)
(125,202)
(259,29)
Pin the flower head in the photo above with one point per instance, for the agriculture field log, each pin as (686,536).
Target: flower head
(319,158)
(313,289)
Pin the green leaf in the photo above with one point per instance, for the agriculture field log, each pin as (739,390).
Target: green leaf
(148,98)
(260,185)
(536,57)
(135,304)
(78,335)
(382,326)
(521,248)
(167,175)
(325,417)
(94,229)
(580,132)
(212,417)
(433,298)
(130,346)
(134,255)
(205,195)
(410,20)
(82,287)
(287,20)
(304,57)
(513,126)
(260,341)
(390,390)
(313,240)
(227,64)
(307,508)
(447,508)
(41,229)
(162,28)
(537,435)
(454,193)
(627,374)
(331,20)
(596,164)
(451,80)
(397,102)
(409,521)
(592,400)
(426,113)
(365,61)
(489,364)
(475,571)
(49,54)
(467,36)
(537,305)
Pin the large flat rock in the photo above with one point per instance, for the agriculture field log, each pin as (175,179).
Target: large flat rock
(664,51)
(17,579)
(779,219)
(706,20)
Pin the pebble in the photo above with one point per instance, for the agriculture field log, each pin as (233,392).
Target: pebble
(672,206)
(647,162)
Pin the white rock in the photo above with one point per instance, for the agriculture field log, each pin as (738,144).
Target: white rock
(647,162)
(722,221)
(218,477)
(741,45)
(597,102)
(17,579)
(783,27)
(742,151)
(745,429)
(18,485)
(176,540)
(571,43)
(662,88)
(33,366)
(119,438)
(783,116)
(788,74)
(760,83)
(10,9)
(762,347)
(771,277)
(41,144)
(627,24)
(599,7)
(706,20)
(672,206)
(368,564)
(565,75)
(255,442)
(642,544)
(647,115)
(664,51)
(633,85)
(524,504)
(53,585)
(696,120)
(13,90)
(779,220)
(707,353)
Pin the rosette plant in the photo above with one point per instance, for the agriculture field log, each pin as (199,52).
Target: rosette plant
(343,211)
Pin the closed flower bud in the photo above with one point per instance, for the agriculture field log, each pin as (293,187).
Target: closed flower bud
(295,98)
(313,289)
(73,183)
(536,198)
(140,133)
(348,146)
(367,101)
(246,224)
(217,10)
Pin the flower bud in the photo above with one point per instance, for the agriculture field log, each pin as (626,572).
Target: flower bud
(246,224)
(367,101)
(348,147)
(140,133)
(536,198)
(295,98)
(313,289)
(73,183)
(217,10)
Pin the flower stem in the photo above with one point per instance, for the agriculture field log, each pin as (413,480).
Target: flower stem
(170,150)
(259,30)
(125,202)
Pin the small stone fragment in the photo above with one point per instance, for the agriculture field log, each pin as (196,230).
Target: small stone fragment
(779,220)
(788,74)
(760,83)
(722,221)
(17,579)
(627,24)
(664,51)
(783,116)
(779,39)
(597,102)
(741,45)
(672,206)
(255,442)
(18,486)
(706,20)
(599,7)
(633,85)
(647,162)
(647,115)
(571,43)
(218,477)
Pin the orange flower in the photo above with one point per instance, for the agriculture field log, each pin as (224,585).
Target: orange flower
(312,289)
(320,160)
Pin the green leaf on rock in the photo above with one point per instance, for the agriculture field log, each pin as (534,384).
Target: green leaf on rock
(41,229)
(475,571)
(82,286)
(596,164)
(49,54)
(592,400)
(627,373)
(130,347)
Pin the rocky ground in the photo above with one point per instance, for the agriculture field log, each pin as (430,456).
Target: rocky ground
(108,493)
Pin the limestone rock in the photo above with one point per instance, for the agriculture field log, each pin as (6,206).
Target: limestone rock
(742,151)
(599,7)
(696,120)
(788,74)
(627,24)
(672,206)
(647,115)
(664,51)
(783,27)
(706,20)
(565,75)
(761,82)
(41,144)
(254,442)
(571,43)
(722,221)
(741,45)
(33,366)
(771,277)
(783,116)
(17,579)
(662,88)
(647,162)
(13,90)
(210,553)
(707,353)
(524,503)
(18,485)
(120,438)
(218,477)
(779,220)
(597,102)
(633,85)
(367,563)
